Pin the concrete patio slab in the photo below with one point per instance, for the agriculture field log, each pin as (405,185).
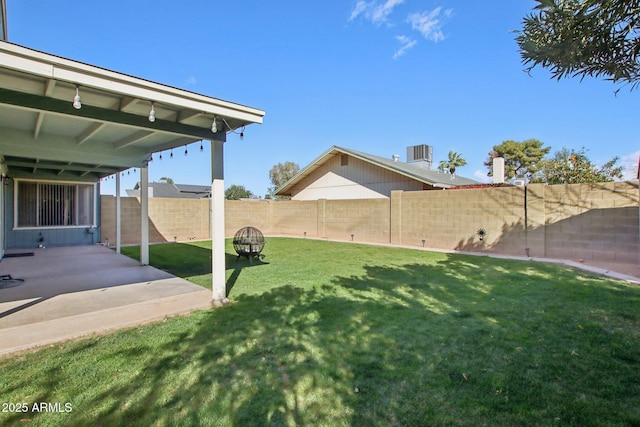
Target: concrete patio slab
(76,291)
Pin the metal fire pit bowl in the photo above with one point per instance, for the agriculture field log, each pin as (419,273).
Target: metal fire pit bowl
(248,242)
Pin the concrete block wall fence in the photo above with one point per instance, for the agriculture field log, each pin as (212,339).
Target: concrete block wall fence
(578,221)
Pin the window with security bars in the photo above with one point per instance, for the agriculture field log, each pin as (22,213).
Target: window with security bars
(41,204)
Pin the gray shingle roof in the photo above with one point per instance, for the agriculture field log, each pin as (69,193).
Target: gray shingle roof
(174,191)
(413,170)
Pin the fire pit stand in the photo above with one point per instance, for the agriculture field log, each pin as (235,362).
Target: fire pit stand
(248,242)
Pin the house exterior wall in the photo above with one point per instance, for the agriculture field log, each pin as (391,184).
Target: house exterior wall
(16,238)
(595,222)
(355,180)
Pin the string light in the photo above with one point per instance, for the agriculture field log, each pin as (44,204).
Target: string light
(160,156)
(152,114)
(185,150)
(76,99)
(241,132)
(171,155)
(201,147)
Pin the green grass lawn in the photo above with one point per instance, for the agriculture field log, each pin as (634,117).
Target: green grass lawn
(339,334)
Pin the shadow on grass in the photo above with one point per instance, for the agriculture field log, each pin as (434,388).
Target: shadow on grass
(237,264)
(453,343)
(189,260)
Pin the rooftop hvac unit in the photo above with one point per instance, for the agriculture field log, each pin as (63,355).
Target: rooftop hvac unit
(420,153)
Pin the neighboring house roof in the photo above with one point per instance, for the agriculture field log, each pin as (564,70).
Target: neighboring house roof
(410,170)
(173,191)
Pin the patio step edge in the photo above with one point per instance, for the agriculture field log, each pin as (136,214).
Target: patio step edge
(26,337)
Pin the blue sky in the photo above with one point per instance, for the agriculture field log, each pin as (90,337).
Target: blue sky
(374,76)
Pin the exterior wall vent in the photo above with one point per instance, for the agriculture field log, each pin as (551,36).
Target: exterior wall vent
(422,154)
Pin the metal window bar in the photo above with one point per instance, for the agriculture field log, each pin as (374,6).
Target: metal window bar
(27,204)
(46,205)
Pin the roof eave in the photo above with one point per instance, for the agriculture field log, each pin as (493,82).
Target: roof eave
(22,59)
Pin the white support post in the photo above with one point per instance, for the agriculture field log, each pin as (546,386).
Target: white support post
(219,285)
(118,214)
(144,215)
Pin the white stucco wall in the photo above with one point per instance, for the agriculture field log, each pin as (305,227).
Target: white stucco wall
(356,180)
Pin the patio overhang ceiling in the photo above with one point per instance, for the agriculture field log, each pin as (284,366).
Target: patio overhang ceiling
(41,131)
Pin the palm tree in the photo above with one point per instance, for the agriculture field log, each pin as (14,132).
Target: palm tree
(455,160)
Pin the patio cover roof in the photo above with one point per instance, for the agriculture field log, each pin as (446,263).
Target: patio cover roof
(41,132)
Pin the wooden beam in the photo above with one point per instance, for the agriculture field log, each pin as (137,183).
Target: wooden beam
(125,102)
(132,139)
(186,115)
(20,143)
(38,126)
(98,114)
(37,164)
(50,86)
(90,132)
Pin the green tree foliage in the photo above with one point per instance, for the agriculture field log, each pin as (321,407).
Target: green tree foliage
(167,180)
(597,38)
(573,167)
(280,174)
(454,161)
(237,192)
(521,159)
(442,166)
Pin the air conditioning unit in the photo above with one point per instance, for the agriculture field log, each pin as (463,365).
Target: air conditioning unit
(422,153)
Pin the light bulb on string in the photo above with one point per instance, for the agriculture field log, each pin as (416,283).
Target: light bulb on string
(76,99)
(201,147)
(171,155)
(152,114)
(160,156)
(185,150)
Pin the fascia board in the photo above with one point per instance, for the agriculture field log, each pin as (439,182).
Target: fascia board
(48,66)
(307,170)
